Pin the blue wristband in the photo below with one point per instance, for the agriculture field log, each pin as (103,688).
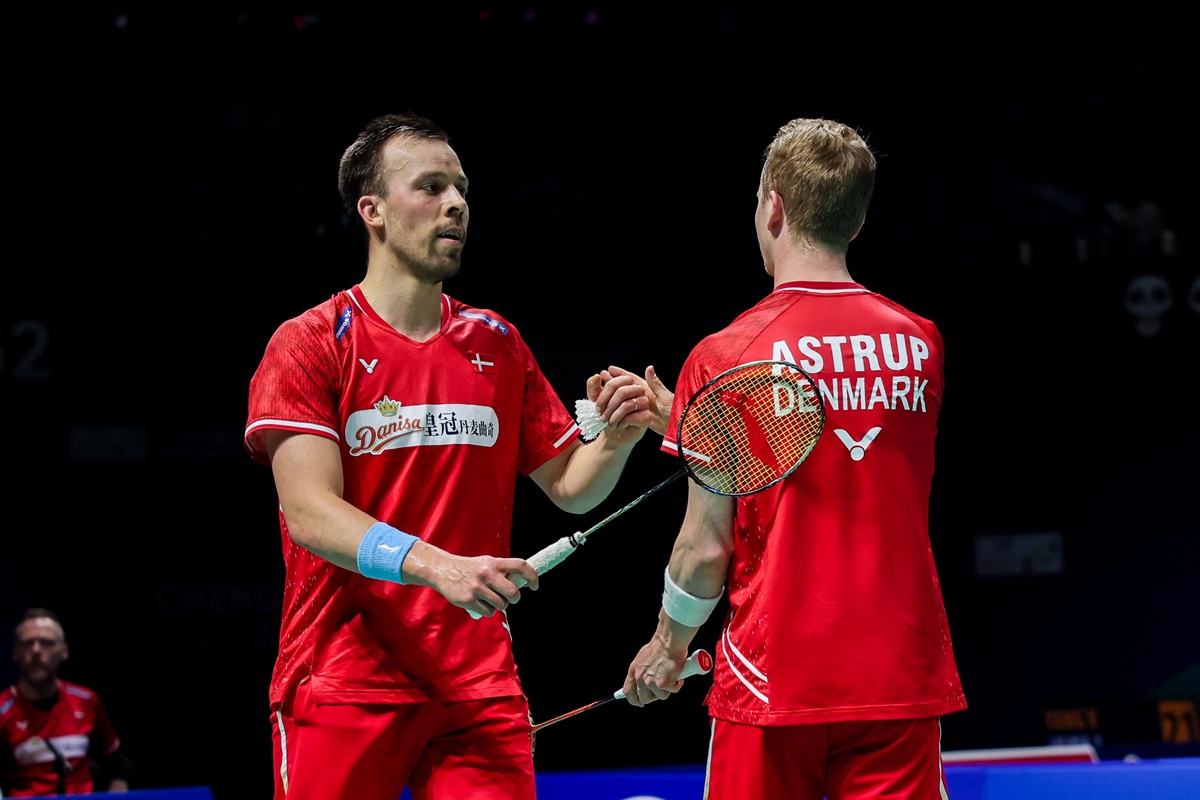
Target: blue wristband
(382,550)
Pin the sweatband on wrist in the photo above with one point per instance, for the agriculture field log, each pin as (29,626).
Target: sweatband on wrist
(685,608)
(382,550)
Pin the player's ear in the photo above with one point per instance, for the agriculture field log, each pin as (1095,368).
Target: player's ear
(858,230)
(775,213)
(369,210)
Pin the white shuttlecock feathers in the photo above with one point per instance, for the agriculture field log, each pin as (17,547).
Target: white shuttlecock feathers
(589,420)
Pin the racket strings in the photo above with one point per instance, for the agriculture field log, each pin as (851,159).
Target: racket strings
(751,429)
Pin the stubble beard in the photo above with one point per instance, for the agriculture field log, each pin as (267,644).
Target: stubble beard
(438,269)
(432,267)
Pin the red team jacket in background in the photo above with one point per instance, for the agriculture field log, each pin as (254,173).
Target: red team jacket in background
(30,736)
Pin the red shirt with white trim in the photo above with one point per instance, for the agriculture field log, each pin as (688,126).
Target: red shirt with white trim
(39,743)
(835,606)
(433,435)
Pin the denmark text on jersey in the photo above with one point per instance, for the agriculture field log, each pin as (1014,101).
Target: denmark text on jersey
(850,391)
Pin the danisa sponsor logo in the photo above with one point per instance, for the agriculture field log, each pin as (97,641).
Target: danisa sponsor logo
(389,424)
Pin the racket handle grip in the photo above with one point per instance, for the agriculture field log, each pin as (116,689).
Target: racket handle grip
(543,561)
(698,663)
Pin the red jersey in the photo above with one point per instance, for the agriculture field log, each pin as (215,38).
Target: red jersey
(433,435)
(74,725)
(835,608)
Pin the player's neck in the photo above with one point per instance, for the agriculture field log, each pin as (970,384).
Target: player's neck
(812,265)
(411,307)
(39,690)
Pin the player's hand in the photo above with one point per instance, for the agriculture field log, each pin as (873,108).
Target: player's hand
(480,584)
(653,674)
(625,399)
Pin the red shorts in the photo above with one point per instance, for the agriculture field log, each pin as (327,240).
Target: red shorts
(885,760)
(477,748)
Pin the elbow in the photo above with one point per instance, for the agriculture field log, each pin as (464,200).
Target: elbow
(709,557)
(300,530)
(311,539)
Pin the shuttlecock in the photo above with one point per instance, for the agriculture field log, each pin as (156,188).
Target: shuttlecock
(589,420)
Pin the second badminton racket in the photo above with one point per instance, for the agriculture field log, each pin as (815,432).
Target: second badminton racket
(698,663)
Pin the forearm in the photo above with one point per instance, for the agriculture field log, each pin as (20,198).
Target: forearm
(695,576)
(692,584)
(381,551)
(674,637)
(703,548)
(699,566)
(699,561)
(357,541)
(308,479)
(581,479)
(309,482)
(328,527)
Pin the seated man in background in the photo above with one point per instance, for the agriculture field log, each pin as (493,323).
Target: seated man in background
(54,735)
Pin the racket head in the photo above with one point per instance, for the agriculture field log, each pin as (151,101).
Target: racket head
(749,427)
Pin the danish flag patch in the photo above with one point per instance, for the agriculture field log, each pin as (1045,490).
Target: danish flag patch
(481,362)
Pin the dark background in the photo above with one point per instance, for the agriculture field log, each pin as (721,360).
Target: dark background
(169,198)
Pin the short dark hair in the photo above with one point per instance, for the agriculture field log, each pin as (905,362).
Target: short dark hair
(360,171)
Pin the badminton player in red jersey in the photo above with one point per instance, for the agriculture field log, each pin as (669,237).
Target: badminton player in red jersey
(54,734)
(395,420)
(834,663)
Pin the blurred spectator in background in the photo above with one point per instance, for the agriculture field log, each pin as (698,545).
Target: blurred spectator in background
(55,736)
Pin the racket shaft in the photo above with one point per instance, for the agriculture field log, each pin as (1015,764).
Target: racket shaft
(554,554)
(579,710)
(698,663)
(583,535)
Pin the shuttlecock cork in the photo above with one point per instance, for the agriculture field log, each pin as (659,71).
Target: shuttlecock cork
(589,420)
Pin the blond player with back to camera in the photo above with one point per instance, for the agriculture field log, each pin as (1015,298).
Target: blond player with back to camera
(834,662)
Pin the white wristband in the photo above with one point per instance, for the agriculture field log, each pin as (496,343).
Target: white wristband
(684,608)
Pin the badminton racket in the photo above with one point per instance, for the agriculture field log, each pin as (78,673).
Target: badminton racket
(743,431)
(698,663)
